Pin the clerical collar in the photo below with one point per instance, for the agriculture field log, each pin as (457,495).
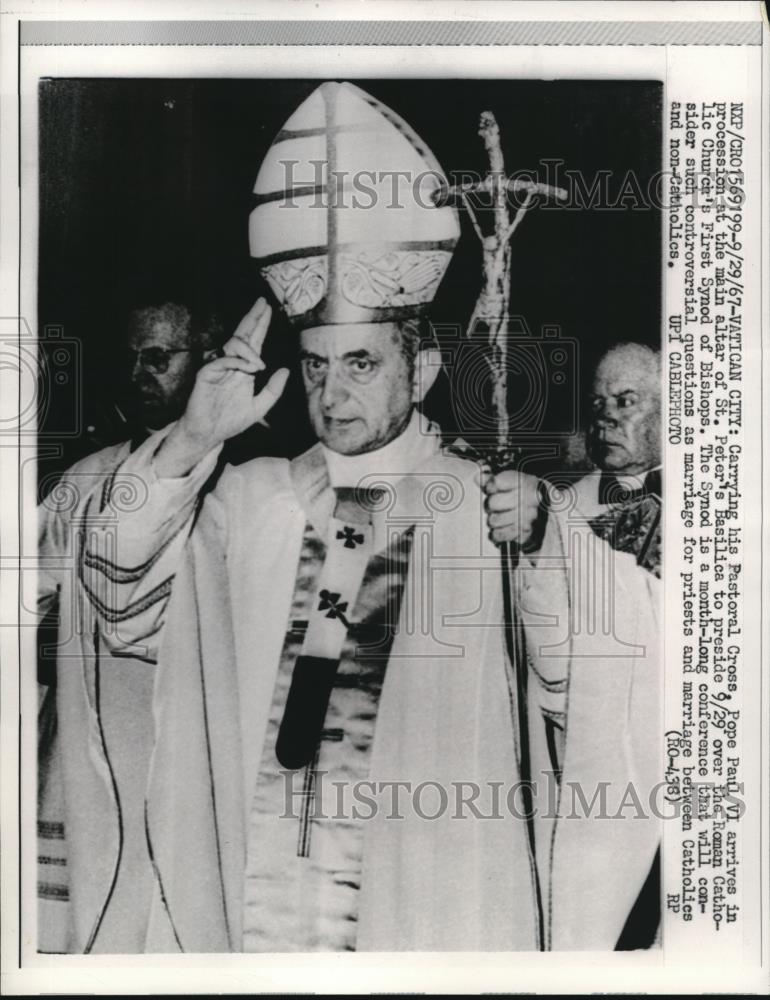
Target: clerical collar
(403,454)
(615,489)
(140,435)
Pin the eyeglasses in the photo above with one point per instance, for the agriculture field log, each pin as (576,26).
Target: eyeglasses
(154,359)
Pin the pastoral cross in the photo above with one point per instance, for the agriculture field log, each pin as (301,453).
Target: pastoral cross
(491,310)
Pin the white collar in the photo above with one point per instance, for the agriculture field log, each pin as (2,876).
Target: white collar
(416,443)
(633,480)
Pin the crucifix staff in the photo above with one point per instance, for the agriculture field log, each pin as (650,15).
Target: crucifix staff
(491,309)
(492,305)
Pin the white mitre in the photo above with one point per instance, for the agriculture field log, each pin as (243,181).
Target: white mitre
(345,228)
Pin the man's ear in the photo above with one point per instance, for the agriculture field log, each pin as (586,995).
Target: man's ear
(427,365)
(209,355)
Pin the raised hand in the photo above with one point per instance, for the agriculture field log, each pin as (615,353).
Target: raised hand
(222,403)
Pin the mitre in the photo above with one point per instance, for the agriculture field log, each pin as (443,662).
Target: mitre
(345,228)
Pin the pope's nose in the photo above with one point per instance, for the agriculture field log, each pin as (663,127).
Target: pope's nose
(333,392)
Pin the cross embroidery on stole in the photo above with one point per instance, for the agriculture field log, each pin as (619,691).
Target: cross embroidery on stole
(304,843)
(350,537)
(301,731)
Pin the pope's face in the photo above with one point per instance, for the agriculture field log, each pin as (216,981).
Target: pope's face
(359,385)
(624,428)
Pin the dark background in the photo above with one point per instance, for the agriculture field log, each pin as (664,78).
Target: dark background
(146,189)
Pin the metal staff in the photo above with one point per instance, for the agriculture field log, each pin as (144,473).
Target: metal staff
(492,309)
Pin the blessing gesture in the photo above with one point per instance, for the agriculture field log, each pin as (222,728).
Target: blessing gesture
(222,403)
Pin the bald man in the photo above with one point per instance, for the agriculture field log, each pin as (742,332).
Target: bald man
(624,430)
(589,599)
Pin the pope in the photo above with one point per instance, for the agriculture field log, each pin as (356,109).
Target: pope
(318,627)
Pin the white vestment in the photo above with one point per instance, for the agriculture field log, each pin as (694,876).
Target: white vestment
(204,608)
(204,590)
(593,627)
(122,738)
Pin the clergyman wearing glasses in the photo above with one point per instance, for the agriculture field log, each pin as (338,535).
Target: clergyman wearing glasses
(166,344)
